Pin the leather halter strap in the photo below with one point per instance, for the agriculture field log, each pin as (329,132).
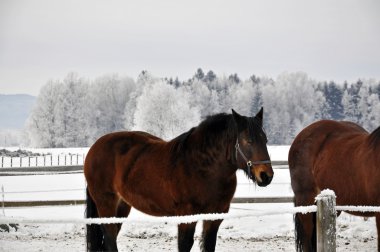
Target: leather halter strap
(248,162)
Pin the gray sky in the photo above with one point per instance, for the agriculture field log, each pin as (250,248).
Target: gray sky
(46,39)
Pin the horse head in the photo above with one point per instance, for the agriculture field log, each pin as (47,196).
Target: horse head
(251,153)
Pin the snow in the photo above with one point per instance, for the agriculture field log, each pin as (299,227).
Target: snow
(248,227)
(326,193)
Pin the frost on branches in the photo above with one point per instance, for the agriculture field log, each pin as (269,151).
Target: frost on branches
(75,111)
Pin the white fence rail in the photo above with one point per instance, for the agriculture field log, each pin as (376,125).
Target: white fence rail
(42,161)
(64,160)
(166,219)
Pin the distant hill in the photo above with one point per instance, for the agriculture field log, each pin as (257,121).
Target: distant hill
(14,110)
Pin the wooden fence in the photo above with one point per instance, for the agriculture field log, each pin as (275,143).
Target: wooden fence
(49,170)
(326,220)
(42,161)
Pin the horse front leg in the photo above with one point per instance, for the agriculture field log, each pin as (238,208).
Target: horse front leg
(209,235)
(186,236)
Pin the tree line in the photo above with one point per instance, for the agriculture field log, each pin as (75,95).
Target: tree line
(75,111)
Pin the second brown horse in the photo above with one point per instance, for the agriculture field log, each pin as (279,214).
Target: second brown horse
(340,156)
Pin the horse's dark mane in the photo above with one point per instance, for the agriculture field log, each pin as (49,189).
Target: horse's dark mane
(212,126)
(180,141)
(374,138)
(218,124)
(218,127)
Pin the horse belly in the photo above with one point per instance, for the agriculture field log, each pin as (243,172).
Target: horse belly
(148,205)
(146,195)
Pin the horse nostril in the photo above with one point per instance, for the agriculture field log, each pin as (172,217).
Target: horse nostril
(265,178)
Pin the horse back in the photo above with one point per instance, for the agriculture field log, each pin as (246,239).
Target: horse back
(103,158)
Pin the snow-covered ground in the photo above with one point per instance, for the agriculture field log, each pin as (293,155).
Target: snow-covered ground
(259,233)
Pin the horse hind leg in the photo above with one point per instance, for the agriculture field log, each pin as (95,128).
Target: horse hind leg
(209,235)
(305,232)
(186,236)
(94,234)
(111,206)
(305,224)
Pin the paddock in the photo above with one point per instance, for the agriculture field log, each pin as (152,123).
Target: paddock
(260,226)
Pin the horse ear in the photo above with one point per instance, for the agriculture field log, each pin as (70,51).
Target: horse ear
(259,115)
(239,120)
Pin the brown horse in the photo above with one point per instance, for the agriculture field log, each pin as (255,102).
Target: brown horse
(340,156)
(195,173)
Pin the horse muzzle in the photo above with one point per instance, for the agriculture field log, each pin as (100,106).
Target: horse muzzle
(263,175)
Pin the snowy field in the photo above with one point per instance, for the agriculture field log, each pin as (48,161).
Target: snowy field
(258,233)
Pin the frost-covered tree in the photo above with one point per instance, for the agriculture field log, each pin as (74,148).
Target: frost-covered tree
(145,78)
(202,97)
(199,75)
(210,76)
(71,113)
(241,97)
(74,113)
(333,95)
(164,111)
(368,105)
(291,103)
(350,101)
(41,123)
(234,78)
(108,95)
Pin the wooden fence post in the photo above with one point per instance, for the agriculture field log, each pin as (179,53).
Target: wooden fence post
(326,221)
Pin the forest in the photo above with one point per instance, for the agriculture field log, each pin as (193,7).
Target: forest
(75,111)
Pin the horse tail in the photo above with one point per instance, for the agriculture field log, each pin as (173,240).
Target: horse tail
(94,233)
(299,233)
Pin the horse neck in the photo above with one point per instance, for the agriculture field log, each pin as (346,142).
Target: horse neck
(212,148)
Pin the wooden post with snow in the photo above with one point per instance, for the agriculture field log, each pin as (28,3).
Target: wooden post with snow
(326,221)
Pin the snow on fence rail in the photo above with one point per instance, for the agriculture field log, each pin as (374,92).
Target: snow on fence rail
(238,200)
(166,219)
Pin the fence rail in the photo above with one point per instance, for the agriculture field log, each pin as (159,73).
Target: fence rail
(40,170)
(163,219)
(43,170)
(59,161)
(81,202)
(43,160)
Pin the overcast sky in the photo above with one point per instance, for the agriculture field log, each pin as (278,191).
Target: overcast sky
(46,39)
